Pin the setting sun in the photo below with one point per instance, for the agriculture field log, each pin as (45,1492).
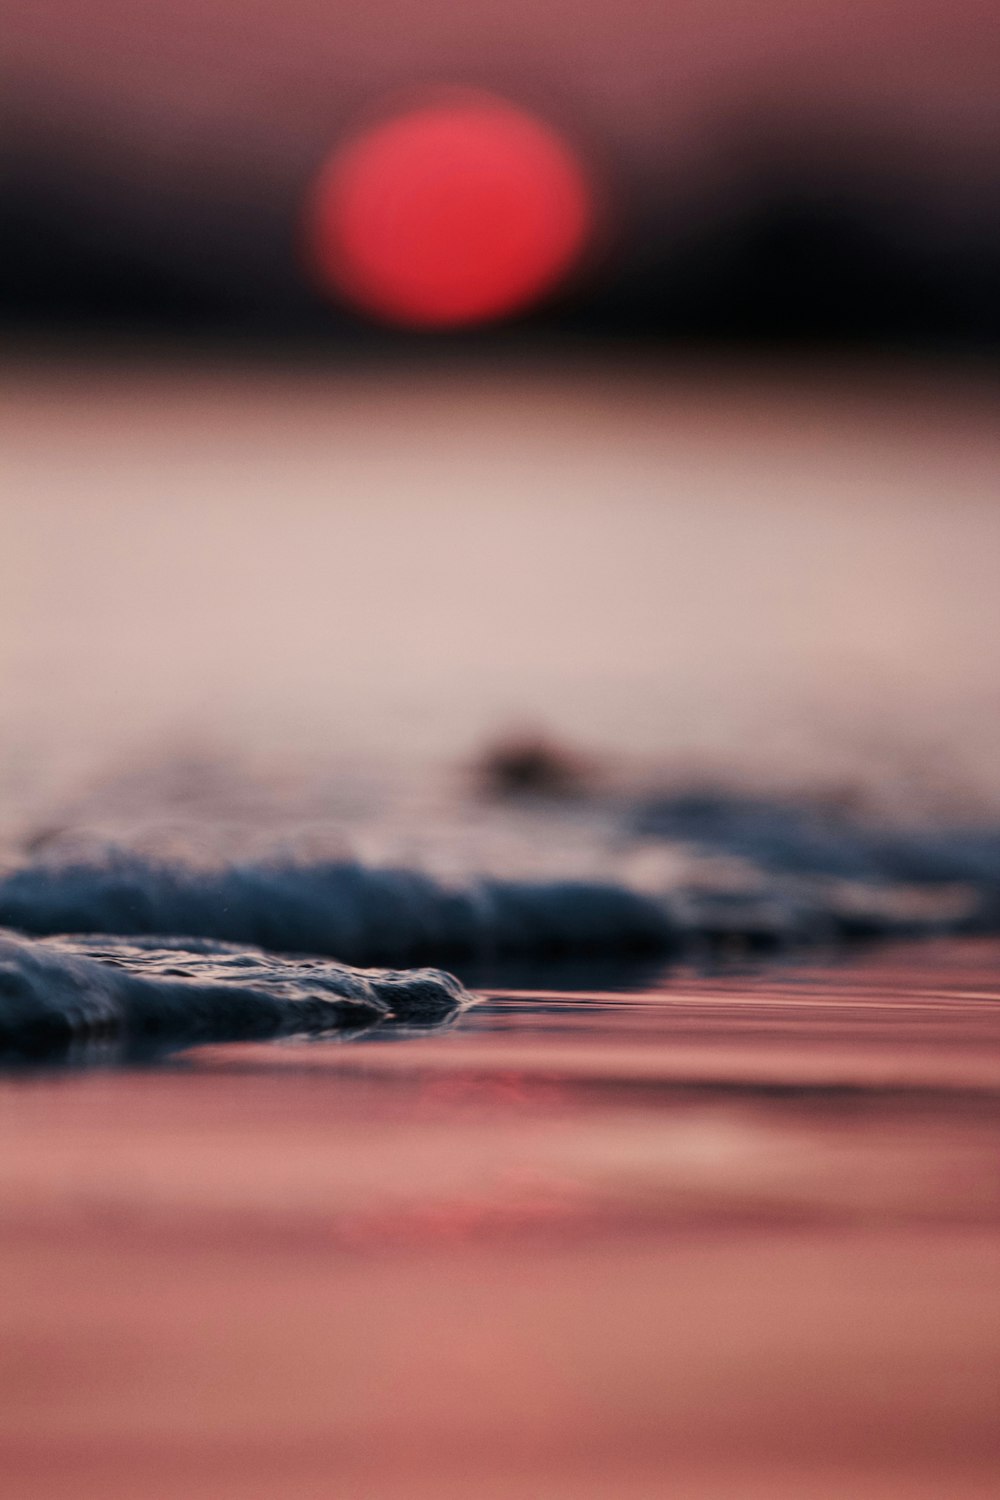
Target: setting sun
(455,212)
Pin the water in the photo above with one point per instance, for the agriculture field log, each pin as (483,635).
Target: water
(699,1196)
(276,615)
(327,580)
(732,1232)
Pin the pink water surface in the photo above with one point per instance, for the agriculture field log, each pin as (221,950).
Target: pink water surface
(733,1234)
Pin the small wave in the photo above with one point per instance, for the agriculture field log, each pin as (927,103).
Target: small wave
(84,997)
(803,875)
(804,838)
(808,843)
(347,911)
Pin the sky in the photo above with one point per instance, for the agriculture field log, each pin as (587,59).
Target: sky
(169,149)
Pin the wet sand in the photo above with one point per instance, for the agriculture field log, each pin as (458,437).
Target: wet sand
(728,1235)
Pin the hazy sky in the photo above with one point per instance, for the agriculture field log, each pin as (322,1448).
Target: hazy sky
(224,76)
(186,135)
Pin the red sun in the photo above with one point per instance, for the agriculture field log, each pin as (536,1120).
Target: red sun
(452,213)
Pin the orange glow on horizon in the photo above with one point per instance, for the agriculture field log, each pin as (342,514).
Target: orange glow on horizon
(454,213)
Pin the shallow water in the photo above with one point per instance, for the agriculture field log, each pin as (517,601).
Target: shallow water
(720,1229)
(729,1233)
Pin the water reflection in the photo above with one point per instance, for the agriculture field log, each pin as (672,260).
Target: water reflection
(734,1229)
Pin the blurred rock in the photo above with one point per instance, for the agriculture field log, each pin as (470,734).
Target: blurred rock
(532,765)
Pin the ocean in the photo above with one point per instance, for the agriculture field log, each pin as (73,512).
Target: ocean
(500,890)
